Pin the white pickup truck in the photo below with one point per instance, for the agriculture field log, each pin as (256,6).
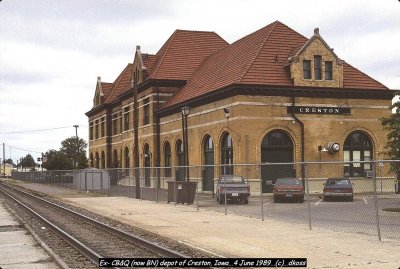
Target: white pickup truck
(232,187)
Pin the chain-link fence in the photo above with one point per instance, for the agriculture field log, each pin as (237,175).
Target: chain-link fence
(357,197)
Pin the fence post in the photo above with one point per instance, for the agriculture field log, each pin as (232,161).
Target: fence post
(376,201)
(308,194)
(261,193)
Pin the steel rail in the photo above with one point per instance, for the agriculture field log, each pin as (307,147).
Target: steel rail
(154,247)
(87,252)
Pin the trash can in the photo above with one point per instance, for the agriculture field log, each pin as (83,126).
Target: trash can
(182,191)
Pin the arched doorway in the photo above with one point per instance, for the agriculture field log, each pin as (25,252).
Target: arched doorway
(276,147)
(146,164)
(208,153)
(357,147)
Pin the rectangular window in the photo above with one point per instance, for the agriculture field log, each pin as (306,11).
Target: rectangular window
(126,118)
(307,69)
(102,127)
(91,131)
(96,129)
(317,67)
(146,111)
(120,122)
(328,70)
(114,124)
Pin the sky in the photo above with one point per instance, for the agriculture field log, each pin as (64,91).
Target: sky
(51,52)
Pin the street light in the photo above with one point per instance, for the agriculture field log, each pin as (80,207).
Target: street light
(185,114)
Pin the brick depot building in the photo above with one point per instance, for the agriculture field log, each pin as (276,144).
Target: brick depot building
(272,96)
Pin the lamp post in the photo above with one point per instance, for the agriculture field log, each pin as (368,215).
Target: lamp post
(77,146)
(185,114)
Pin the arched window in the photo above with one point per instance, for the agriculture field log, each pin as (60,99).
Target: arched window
(227,154)
(91,159)
(357,147)
(179,153)
(115,159)
(126,157)
(180,171)
(146,164)
(97,160)
(103,160)
(167,159)
(208,153)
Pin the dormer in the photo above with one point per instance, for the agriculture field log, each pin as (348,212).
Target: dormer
(316,65)
(99,95)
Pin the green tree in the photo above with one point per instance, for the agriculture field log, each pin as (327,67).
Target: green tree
(75,150)
(9,161)
(392,125)
(67,155)
(28,162)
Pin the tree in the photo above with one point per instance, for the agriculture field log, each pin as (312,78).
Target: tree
(70,147)
(392,125)
(67,156)
(28,162)
(9,161)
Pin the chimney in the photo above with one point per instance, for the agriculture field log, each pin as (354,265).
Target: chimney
(316,31)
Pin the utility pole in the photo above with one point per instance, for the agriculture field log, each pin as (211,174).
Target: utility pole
(77,145)
(4,160)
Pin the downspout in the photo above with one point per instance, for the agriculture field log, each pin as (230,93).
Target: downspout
(302,134)
(158,142)
(136,140)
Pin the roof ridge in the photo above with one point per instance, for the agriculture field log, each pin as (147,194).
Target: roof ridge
(273,25)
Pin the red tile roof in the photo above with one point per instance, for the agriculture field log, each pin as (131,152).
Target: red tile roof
(121,84)
(149,60)
(250,60)
(183,52)
(354,78)
(106,88)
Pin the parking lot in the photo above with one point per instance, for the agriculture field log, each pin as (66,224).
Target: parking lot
(358,216)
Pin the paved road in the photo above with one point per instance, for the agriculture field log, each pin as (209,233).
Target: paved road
(356,217)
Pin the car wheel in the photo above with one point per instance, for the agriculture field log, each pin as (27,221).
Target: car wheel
(325,199)
(275,199)
(301,200)
(246,200)
(351,199)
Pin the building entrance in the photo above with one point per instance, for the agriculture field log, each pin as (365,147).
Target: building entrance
(276,147)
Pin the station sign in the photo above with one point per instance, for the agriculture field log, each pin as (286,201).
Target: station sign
(319,110)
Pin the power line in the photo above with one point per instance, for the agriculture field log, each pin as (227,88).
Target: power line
(32,131)
(28,150)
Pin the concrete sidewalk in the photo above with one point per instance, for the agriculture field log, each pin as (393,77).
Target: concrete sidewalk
(238,236)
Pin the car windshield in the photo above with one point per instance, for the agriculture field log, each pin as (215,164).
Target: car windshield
(337,181)
(288,181)
(231,179)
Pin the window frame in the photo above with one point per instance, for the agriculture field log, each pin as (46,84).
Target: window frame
(317,67)
(306,69)
(328,71)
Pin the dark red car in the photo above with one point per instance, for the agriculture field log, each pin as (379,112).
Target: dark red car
(338,188)
(288,189)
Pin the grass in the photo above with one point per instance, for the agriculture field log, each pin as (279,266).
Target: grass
(392,209)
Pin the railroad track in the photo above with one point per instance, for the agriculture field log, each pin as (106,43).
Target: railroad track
(89,237)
